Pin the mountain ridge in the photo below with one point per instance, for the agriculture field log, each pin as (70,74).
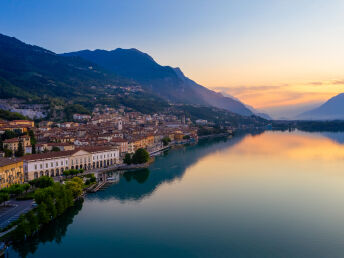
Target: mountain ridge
(332,109)
(165,81)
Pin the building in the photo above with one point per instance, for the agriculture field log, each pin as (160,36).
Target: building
(103,156)
(13,144)
(121,144)
(81,117)
(22,123)
(54,163)
(11,172)
(201,122)
(45,164)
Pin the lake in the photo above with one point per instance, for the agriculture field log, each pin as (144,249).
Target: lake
(274,194)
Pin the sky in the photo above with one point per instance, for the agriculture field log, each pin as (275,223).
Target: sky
(272,54)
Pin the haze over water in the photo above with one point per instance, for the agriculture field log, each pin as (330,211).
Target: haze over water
(276,194)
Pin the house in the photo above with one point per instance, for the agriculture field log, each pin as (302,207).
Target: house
(121,144)
(81,117)
(22,123)
(11,172)
(62,146)
(13,144)
(201,122)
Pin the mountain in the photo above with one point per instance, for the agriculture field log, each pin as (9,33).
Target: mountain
(68,84)
(252,109)
(164,81)
(27,70)
(333,109)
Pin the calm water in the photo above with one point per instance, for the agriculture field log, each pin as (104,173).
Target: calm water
(269,195)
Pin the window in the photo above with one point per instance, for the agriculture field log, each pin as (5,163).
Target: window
(51,164)
(35,167)
(61,163)
(46,165)
(57,164)
(41,166)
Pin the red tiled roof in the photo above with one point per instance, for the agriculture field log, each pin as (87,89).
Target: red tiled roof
(57,154)
(11,140)
(8,161)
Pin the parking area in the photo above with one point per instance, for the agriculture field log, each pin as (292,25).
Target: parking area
(13,210)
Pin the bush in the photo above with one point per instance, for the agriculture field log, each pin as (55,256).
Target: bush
(75,186)
(27,196)
(166,141)
(91,179)
(140,156)
(42,182)
(72,172)
(4,197)
(127,159)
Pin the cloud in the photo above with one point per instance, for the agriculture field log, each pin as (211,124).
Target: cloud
(242,89)
(327,83)
(316,83)
(338,82)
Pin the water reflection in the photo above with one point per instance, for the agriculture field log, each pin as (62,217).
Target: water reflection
(167,168)
(140,176)
(337,137)
(277,194)
(52,232)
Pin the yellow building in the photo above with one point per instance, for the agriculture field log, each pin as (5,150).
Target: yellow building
(12,144)
(11,172)
(149,140)
(22,123)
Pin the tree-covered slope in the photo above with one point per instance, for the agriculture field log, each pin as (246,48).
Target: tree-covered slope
(37,71)
(164,81)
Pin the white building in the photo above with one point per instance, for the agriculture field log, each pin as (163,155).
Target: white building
(81,117)
(54,163)
(201,122)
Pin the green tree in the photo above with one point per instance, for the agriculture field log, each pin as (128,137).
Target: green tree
(140,156)
(8,152)
(33,149)
(166,140)
(186,137)
(51,208)
(4,197)
(32,137)
(16,189)
(9,135)
(43,216)
(127,159)
(66,173)
(20,150)
(74,187)
(42,182)
(33,221)
(55,148)
(26,187)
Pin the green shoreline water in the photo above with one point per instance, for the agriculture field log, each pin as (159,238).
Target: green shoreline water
(249,196)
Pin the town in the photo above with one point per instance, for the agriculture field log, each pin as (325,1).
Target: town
(90,142)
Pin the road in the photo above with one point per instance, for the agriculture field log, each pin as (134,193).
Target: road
(7,215)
